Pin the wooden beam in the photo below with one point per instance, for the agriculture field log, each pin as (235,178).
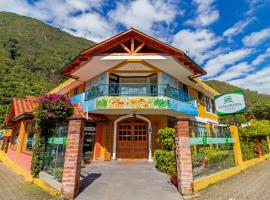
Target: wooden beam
(132,45)
(125,47)
(139,47)
(133,71)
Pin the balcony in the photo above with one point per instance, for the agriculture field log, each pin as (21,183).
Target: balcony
(130,89)
(152,96)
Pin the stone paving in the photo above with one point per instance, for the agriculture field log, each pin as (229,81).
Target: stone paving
(125,180)
(252,184)
(14,187)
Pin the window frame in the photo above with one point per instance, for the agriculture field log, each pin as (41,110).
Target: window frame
(27,123)
(16,129)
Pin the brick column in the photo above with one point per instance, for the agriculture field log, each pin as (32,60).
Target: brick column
(183,157)
(73,155)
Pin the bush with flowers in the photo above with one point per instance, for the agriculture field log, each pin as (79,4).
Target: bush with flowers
(52,109)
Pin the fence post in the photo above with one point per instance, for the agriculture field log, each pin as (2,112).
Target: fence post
(268,142)
(237,148)
(183,157)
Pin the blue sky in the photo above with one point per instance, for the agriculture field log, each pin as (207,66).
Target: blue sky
(229,39)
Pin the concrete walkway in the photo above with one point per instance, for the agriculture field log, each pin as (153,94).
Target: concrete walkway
(14,187)
(252,184)
(123,180)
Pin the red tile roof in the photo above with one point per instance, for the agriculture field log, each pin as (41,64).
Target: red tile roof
(28,106)
(22,106)
(78,112)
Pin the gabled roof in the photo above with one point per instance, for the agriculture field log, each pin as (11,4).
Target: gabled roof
(21,108)
(82,58)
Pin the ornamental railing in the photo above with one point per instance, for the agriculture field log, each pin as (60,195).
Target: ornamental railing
(134,89)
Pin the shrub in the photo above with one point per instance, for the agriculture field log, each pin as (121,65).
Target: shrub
(166,138)
(165,157)
(166,161)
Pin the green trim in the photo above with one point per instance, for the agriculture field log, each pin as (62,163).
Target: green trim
(210,140)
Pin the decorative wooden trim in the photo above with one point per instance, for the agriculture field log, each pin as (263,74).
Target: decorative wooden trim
(125,48)
(139,47)
(134,71)
(152,67)
(132,45)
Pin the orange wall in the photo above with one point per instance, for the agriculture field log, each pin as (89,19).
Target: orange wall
(18,156)
(80,90)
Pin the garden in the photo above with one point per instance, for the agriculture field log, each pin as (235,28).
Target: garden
(254,139)
(50,135)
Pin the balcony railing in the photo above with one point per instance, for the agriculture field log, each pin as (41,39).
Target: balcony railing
(133,89)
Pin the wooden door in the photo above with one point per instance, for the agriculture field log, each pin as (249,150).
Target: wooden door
(132,140)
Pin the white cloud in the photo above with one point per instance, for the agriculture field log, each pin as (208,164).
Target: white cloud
(256,38)
(235,71)
(218,64)
(143,14)
(206,13)
(258,81)
(199,43)
(255,5)
(90,25)
(238,27)
(262,57)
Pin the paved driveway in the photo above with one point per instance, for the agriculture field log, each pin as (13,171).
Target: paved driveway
(123,180)
(14,187)
(252,184)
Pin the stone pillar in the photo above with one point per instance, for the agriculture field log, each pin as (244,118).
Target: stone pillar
(183,157)
(73,155)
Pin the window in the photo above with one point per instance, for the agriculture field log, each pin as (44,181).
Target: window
(76,91)
(213,106)
(15,136)
(29,137)
(208,104)
(183,86)
(201,96)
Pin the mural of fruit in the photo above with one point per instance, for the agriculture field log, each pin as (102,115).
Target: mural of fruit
(102,103)
(161,103)
(118,103)
(139,102)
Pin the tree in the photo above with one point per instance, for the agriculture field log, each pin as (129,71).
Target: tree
(261,111)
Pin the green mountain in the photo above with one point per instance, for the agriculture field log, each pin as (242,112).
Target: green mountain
(31,54)
(252,97)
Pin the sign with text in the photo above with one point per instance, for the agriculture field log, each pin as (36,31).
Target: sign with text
(230,103)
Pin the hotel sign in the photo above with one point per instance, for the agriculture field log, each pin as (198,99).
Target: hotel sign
(230,103)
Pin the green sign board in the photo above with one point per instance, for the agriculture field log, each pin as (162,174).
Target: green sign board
(210,140)
(57,140)
(230,103)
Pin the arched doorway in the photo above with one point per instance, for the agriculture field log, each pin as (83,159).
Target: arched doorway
(132,137)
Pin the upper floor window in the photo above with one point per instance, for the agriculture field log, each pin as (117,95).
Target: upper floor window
(201,96)
(213,106)
(207,104)
(183,86)
(76,91)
